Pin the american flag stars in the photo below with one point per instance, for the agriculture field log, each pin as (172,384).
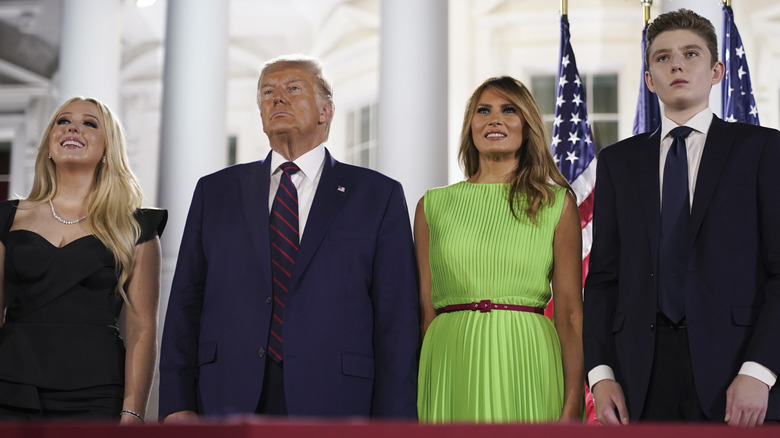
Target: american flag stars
(739,106)
(571,136)
(574,140)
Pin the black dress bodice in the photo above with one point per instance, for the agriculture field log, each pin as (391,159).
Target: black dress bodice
(62,308)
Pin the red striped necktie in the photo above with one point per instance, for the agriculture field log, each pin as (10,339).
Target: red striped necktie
(284,248)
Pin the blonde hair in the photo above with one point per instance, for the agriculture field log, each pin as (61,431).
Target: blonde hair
(535,165)
(113,199)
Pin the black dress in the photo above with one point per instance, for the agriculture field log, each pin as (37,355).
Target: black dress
(61,331)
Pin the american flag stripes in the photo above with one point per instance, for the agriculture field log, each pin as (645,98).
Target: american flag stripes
(738,103)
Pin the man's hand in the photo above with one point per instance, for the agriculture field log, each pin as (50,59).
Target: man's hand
(181,417)
(746,401)
(608,396)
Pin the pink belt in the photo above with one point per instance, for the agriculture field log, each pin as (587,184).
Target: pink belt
(486,306)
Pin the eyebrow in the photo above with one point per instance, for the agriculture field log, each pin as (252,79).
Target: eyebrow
(286,82)
(503,105)
(665,50)
(85,114)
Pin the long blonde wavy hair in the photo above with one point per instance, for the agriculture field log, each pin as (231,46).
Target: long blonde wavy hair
(535,165)
(114,197)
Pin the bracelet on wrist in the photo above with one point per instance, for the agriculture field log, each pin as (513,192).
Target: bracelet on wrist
(132,414)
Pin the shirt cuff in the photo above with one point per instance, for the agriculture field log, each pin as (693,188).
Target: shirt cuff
(599,373)
(758,371)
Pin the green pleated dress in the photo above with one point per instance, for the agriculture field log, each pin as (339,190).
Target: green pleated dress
(499,366)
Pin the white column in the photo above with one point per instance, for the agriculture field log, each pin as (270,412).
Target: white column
(193,140)
(27,138)
(710,10)
(90,51)
(463,75)
(413,105)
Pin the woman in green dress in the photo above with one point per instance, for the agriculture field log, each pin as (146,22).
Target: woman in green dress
(492,250)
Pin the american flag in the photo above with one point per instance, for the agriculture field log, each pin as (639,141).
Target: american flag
(739,105)
(648,112)
(572,148)
(572,141)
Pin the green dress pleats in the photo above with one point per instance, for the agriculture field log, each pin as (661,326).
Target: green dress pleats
(499,366)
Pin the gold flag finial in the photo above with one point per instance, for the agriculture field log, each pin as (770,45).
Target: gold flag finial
(564,7)
(646,6)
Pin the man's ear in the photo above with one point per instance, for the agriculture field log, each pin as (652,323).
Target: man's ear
(649,81)
(718,70)
(326,114)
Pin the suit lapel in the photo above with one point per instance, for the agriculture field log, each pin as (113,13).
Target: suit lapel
(720,139)
(254,187)
(648,165)
(332,190)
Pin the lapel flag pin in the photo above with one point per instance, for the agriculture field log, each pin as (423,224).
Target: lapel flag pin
(341,189)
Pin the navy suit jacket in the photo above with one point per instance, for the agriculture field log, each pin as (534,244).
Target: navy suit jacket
(732,289)
(351,316)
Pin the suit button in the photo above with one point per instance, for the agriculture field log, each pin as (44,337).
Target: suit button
(268,300)
(261,352)
(652,327)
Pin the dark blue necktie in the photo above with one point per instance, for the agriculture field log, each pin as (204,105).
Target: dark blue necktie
(284,249)
(675,214)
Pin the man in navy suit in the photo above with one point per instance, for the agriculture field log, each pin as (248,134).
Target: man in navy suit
(718,358)
(348,322)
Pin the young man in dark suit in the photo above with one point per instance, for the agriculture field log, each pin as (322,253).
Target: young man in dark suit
(682,301)
(295,290)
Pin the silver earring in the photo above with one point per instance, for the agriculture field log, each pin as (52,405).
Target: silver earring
(50,155)
(104,159)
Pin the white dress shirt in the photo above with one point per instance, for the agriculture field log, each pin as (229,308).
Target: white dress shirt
(306,180)
(694,145)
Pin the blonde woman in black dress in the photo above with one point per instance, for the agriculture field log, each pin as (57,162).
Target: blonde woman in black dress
(73,253)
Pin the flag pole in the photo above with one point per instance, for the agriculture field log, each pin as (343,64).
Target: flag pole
(564,7)
(646,4)
(727,3)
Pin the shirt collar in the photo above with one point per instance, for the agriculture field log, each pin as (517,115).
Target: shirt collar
(309,163)
(700,122)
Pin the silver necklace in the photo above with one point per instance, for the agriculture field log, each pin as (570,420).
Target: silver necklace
(51,204)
